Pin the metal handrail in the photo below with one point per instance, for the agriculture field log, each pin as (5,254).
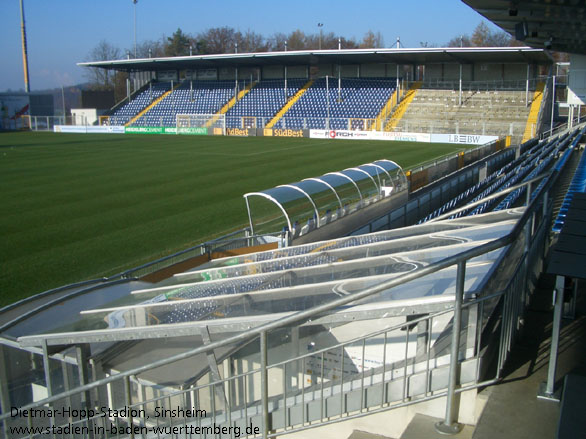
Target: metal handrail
(111,280)
(490,197)
(450,156)
(127,273)
(262,329)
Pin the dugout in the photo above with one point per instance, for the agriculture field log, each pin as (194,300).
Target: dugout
(314,203)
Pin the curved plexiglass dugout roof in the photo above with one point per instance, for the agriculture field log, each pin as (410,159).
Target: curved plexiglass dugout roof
(235,293)
(314,202)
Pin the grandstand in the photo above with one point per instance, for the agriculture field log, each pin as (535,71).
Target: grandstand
(359,92)
(337,103)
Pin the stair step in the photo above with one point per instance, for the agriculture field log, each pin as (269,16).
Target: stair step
(357,434)
(423,427)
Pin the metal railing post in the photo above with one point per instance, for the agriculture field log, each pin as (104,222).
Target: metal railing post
(128,402)
(4,392)
(48,379)
(547,389)
(450,424)
(264,384)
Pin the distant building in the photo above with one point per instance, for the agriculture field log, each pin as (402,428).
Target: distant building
(13,106)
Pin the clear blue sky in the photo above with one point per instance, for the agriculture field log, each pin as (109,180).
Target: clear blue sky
(62,32)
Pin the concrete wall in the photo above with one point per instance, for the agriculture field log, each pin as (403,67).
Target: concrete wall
(326,70)
(577,80)
(350,71)
(273,72)
(373,70)
(452,72)
(515,72)
(488,72)
(297,72)
(246,72)
(434,72)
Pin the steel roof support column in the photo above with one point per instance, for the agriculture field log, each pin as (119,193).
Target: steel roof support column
(552,106)
(460,90)
(328,102)
(264,385)
(527,87)
(214,370)
(398,87)
(339,83)
(450,424)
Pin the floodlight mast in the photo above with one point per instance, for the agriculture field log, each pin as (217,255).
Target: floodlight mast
(27,87)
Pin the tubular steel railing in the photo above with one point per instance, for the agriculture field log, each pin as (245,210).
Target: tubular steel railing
(272,399)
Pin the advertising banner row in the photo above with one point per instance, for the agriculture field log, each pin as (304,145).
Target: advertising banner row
(110,129)
(464,139)
(468,139)
(199,131)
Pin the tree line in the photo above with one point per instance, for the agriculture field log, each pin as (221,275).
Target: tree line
(218,40)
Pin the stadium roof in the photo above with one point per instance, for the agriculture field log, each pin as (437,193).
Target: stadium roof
(419,56)
(559,25)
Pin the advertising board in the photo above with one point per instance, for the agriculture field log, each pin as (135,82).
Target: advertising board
(93,129)
(281,132)
(239,132)
(369,135)
(464,139)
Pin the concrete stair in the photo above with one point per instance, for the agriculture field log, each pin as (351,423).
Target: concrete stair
(481,112)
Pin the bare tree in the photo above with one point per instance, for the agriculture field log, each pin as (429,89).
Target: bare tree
(276,42)
(297,40)
(105,79)
(460,41)
(98,78)
(349,43)
(150,48)
(251,42)
(372,40)
(219,39)
(483,37)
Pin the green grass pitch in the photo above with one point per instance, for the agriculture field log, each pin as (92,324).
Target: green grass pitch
(77,207)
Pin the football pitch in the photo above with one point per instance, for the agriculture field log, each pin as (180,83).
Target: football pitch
(77,207)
